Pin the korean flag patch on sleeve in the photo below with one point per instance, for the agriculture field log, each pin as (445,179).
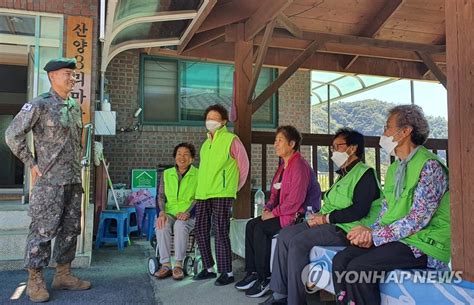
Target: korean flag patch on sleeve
(27,107)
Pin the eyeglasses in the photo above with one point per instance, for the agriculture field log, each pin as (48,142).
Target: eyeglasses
(335,147)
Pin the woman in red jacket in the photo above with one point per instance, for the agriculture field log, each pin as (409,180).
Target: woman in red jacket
(290,187)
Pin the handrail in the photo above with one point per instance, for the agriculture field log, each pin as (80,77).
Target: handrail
(86,158)
(85,175)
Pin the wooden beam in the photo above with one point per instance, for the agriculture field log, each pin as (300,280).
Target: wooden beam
(228,12)
(285,41)
(283,77)
(459,37)
(195,24)
(289,25)
(243,125)
(224,52)
(374,27)
(262,52)
(372,42)
(268,10)
(203,38)
(434,68)
(347,61)
(381,18)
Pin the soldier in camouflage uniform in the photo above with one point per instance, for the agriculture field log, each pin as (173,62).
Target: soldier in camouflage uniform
(55,119)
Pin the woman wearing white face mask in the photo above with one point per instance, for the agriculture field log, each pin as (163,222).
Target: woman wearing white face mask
(413,227)
(223,171)
(352,200)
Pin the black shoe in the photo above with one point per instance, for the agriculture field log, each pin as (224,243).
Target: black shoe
(247,282)
(258,289)
(204,275)
(271,301)
(224,279)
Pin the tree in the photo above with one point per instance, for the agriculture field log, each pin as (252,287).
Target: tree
(366,116)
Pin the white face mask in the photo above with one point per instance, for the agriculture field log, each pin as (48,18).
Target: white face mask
(339,158)
(388,144)
(212,125)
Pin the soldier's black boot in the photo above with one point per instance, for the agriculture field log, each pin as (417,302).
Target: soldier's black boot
(36,287)
(63,279)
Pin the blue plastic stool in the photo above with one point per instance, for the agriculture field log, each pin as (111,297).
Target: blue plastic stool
(104,234)
(149,222)
(132,218)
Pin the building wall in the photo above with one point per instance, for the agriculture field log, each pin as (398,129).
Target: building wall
(152,146)
(86,8)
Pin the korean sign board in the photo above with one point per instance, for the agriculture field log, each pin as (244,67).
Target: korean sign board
(144,179)
(79,45)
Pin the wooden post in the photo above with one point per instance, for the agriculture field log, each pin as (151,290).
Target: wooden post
(243,126)
(100,198)
(460,67)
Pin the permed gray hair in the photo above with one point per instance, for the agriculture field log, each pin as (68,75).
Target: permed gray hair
(412,116)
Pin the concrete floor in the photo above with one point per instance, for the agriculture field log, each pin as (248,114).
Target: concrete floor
(122,278)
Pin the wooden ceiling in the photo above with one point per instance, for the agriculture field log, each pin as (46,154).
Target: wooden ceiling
(399,38)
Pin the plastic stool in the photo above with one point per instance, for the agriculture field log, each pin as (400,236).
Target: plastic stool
(104,235)
(132,218)
(149,222)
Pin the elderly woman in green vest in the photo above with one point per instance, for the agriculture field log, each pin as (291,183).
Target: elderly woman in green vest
(223,170)
(175,209)
(413,227)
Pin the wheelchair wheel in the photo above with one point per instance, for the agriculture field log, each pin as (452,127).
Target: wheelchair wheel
(153,265)
(197,264)
(188,265)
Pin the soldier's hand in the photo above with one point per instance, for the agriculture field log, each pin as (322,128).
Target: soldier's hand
(36,171)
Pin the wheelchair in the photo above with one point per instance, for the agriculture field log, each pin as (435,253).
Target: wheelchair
(192,262)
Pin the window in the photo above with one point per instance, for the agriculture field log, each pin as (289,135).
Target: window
(176,92)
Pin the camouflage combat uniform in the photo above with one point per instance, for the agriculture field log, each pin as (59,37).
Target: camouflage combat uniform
(55,201)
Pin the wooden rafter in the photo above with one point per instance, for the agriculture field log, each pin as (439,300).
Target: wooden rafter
(376,25)
(289,25)
(285,41)
(204,38)
(262,52)
(195,24)
(267,11)
(224,52)
(372,42)
(438,73)
(283,77)
(228,13)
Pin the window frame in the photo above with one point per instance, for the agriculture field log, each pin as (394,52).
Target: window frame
(181,122)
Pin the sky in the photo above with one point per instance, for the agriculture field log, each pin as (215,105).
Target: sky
(432,97)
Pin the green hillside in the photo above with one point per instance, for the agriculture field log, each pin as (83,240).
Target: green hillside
(367,117)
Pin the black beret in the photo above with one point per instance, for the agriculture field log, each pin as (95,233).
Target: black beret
(60,63)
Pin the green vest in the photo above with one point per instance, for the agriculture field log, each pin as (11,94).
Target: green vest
(218,172)
(434,239)
(340,195)
(179,195)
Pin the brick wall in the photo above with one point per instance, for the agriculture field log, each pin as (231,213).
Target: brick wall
(293,109)
(153,145)
(87,8)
